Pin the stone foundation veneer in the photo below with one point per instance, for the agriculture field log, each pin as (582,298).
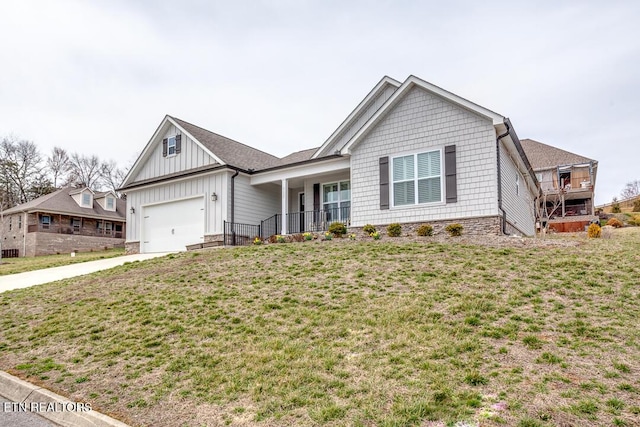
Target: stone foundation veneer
(55,243)
(473,226)
(131,248)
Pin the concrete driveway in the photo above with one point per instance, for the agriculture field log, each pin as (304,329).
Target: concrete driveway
(38,277)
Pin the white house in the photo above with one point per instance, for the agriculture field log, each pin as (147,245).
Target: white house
(410,152)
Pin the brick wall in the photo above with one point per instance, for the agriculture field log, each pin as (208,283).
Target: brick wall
(54,243)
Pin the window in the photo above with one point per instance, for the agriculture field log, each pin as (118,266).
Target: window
(10,223)
(86,199)
(417,178)
(336,200)
(46,221)
(75,223)
(110,203)
(171,146)
(20,222)
(107,228)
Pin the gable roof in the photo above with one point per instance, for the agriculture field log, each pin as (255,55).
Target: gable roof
(543,156)
(298,156)
(385,82)
(231,152)
(61,202)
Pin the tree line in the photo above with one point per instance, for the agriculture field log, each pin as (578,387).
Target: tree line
(26,174)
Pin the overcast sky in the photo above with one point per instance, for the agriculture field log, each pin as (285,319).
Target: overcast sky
(97,77)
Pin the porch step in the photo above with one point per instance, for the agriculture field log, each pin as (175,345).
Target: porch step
(212,244)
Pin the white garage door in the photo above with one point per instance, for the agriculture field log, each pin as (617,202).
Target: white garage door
(171,226)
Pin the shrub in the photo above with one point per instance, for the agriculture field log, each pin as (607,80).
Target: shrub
(257,241)
(369,229)
(616,208)
(636,206)
(425,230)
(352,236)
(375,235)
(394,230)
(328,236)
(280,239)
(594,231)
(614,222)
(454,229)
(635,221)
(338,229)
(307,236)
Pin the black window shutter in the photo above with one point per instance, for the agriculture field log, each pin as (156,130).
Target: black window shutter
(316,197)
(178,143)
(384,183)
(451,184)
(164,147)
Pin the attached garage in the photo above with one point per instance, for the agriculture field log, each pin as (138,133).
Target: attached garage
(171,226)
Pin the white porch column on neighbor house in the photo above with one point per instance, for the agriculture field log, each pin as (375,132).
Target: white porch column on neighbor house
(285,205)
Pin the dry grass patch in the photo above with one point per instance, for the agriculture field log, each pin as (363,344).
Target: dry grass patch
(20,265)
(345,333)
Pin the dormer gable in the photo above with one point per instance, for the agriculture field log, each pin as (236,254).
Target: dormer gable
(83,197)
(107,201)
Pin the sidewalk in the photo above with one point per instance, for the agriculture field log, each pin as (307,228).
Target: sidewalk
(38,277)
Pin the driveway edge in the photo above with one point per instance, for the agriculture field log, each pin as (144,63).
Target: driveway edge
(71,415)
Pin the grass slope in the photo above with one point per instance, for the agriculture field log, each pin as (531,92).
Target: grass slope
(22,264)
(344,333)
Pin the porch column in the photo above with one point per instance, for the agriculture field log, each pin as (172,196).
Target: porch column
(285,205)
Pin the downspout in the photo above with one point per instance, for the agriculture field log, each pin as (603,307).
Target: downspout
(500,208)
(233,206)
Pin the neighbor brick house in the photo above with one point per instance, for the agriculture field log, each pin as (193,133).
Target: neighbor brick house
(410,152)
(69,219)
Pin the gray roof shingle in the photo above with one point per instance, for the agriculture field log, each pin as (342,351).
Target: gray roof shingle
(543,156)
(61,201)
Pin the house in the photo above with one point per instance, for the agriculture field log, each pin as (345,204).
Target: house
(410,152)
(69,219)
(567,182)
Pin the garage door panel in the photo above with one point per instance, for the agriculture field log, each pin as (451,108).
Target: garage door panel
(172,226)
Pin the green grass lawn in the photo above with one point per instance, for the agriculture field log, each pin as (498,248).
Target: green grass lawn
(374,333)
(20,265)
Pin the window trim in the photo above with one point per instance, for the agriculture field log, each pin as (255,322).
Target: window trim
(90,201)
(19,222)
(416,204)
(47,225)
(323,203)
(169,146)
(113,203)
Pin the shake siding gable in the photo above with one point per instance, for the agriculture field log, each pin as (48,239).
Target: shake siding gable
(190,156)
(420,122)
(520,206)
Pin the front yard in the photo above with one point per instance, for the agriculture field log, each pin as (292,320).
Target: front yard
(22,264)
(364,333)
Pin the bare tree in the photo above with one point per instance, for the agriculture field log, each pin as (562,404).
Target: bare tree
(85,171)
(58,164)
(112,176)
(632,189)
(22,173)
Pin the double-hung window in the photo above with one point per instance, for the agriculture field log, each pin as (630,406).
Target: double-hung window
(171,146)
(86,199)
(336,200)
(417,178)
(110,201)
(46,221)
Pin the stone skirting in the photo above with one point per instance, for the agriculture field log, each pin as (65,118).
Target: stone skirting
(473,226)
(131,248)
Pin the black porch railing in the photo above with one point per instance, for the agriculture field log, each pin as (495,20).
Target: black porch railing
(236,234)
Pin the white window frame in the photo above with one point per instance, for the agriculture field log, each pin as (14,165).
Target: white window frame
(89,201)
(323,203)
(112,201)
(171,144)
(416,179)
(45,225)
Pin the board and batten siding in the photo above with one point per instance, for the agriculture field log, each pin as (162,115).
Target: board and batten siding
(419,122)
(518,203)
(254,203)
(360,120)
(205,185)
(191,156)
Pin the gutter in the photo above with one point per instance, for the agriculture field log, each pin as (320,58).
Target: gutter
(233,195)
(503,222)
